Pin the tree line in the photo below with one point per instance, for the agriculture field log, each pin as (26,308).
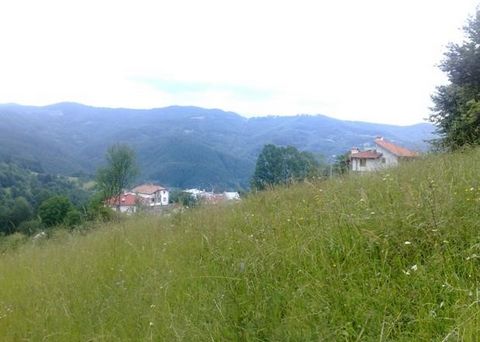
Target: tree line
(456,110)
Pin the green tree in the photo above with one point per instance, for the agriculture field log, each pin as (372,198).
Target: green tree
(341,164)
(282,165)
(21,211)
(73,218)
(54,210)
(119,172)
(456,110)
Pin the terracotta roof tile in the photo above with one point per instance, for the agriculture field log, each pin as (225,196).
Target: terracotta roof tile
(127,200)
(366,155)
(395,149)
(147,189)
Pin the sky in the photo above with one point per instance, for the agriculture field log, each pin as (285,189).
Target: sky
(369,60)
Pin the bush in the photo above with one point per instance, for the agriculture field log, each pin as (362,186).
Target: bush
(30,227)
(54,210)
(73,218)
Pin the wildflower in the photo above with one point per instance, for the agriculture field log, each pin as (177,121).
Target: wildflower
(152,306)
(151,324)
(407,272)
(472,189)
(414,268)
(473,256)
(407,243)
(372,213)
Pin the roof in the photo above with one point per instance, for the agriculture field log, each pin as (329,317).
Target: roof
(127,200)
(395,149)
(148,189)
(366,155)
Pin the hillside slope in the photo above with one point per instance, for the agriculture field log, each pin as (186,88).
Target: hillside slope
(385,256)
(176,146)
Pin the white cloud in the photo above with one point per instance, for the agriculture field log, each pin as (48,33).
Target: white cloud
(366,60)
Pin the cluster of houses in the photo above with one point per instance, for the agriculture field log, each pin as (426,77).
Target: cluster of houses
(385,154)
(145,195)
(211,197)
(156,198)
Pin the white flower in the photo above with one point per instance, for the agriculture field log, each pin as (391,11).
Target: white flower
(151,324)
(407,243)
(414,268)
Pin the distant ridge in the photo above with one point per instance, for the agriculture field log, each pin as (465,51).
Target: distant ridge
(178,146)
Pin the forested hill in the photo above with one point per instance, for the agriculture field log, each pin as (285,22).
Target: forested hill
(176,146)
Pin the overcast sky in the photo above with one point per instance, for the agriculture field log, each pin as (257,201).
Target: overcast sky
(369,60)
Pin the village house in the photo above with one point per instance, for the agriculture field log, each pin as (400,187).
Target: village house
(151,194)
(213,198)
(385,154)
(126,203)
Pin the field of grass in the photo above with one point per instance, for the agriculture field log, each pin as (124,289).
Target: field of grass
(378,257)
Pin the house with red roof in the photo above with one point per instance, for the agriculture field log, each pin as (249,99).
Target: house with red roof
(126,203)
(151,194)
(385,154)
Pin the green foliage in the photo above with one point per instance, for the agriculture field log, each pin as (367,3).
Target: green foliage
(22,192)
(73,218)
(386,256)
(119,172)
(282,165)
(54,211)
(96,210)
(341,164)
(20,212)
(30,227)
(184,198)
(457,105)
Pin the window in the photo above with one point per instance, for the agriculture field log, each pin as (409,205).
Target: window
(363,162)
(384,160)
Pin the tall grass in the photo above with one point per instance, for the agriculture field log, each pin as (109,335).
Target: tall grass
(385,256)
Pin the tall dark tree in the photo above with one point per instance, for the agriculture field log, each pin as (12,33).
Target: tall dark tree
(119,172)
(282,165)
(456,111)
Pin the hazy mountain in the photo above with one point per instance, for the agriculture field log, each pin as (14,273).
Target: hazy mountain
(177,146)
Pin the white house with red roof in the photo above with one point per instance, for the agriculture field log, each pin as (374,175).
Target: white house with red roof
(151,194)
(126,203)
(385,154)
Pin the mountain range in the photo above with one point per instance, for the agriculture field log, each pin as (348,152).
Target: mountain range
(178,146)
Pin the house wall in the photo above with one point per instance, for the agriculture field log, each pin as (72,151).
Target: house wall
(370,165)
(164,197)
(390,158)
(125,209)
(158,198)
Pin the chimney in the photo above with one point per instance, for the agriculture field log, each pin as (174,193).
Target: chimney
(354,150)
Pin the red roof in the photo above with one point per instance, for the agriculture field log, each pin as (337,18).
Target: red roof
(128,200)
(148,189)
(366,155)
(395,149)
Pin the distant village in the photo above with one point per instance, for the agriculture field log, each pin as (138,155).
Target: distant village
(156,198)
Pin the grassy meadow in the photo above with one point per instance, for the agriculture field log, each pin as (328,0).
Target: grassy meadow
(390,256)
